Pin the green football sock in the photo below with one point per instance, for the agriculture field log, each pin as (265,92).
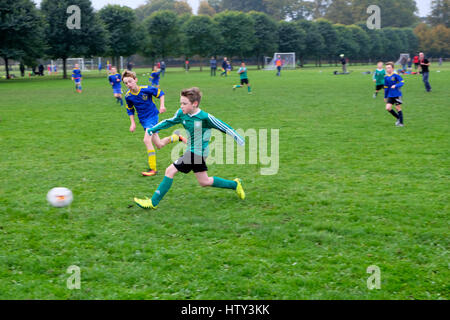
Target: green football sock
(163,187)
(249,89)
(223,183)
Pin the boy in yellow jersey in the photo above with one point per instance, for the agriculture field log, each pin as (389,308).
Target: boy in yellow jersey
(140,99)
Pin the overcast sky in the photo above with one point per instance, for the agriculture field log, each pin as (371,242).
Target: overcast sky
(423,5)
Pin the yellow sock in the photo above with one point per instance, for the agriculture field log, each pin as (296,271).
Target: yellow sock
(152,159)
(174,138)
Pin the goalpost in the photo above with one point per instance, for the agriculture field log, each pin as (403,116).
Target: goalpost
(287,60)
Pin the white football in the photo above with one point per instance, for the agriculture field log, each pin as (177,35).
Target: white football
(60,197)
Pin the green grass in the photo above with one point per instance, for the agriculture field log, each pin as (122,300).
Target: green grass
(352,191)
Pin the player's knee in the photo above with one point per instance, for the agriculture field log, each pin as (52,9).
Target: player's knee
(388,108)
(171,171)
(158,144)
(147,139)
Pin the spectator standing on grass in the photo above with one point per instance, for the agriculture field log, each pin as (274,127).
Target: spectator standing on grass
(22,69)
(344,63)
(213,64)
(425,71)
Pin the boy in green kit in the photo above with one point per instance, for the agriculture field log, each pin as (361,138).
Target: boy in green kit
(199,124)
(378,78)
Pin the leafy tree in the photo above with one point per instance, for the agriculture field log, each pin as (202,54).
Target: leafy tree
(181,8)
(440,12)
(266,34)
(205,9)
(244,5)
(216,5)
(124,37)
(440,36)
(238,33)
(152,6)
(377,44)
(291,39)
(314,40)
(363,41)
(330,38)
(90,39)
(21,32)
(340,11)
(423,34)
(398,13)
(393,47)
(200,36)
(346,44)
(163,38)
(410,39)
(299,9)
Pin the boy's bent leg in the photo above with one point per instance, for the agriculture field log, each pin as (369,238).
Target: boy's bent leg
(221,183)
(205,181)
(165,185)
(389,109)
(175,137)
(163,188)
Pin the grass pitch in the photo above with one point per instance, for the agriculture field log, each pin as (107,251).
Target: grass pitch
(352,191)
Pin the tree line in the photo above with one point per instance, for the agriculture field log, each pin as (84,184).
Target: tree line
(167,28)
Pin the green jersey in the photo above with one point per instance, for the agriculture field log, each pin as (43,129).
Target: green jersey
(243,72)
(199,127)
(378,75)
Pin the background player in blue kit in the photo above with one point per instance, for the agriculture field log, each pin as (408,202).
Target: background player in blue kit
(154,77)
(140,99)
(116,82)
(77,76)
(392,94)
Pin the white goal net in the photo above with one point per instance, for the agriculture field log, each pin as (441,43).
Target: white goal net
(287,60)
(403,59)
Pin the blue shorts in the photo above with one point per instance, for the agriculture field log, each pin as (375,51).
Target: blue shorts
(149,122)
(77,80)
(118,90)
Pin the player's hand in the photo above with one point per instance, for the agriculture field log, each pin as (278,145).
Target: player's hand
(385,100)
(393,87)
(162,109)
(133,127)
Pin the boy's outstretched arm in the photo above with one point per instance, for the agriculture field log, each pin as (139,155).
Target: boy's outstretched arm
(225,128)
(166,123)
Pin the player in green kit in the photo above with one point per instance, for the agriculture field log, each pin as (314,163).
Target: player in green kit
(244,78)
(198,124)
(378,78)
